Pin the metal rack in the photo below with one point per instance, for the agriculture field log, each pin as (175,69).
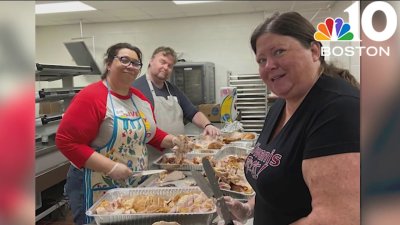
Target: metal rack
(50,165)
(252,102)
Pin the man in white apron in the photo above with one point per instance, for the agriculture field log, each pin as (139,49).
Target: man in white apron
(171,105)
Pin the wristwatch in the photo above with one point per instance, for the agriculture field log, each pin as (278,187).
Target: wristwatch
(208,125)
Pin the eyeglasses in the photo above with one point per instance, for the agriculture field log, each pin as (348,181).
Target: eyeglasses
(127,61)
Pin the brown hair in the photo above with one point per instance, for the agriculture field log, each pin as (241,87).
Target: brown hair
(294,25)
(112,51)
(166,51)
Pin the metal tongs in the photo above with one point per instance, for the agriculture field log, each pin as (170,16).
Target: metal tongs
(146,172)
(138,175)
(211,188)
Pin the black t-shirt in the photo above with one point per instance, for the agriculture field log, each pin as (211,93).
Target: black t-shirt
(189,110)
(326,122)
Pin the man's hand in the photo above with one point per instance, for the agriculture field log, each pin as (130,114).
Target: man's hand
(211,130)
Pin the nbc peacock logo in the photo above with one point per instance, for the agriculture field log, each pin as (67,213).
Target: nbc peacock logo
(333,30)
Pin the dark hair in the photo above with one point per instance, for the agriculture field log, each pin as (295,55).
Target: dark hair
(166,51)
(296,26)
(112,51)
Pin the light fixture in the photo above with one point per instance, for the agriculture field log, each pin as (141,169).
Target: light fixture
(190,2)
(59,7)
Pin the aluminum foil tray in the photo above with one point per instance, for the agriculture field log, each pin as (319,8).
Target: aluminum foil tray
(237,195)
(205,151)
(188,181)
(242,144)
(253,141)
(234,150)
(182,167)
(148,218)
(231,150)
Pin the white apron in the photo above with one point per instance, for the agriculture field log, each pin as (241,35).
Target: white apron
(168,112)
(169,118)
(127,146)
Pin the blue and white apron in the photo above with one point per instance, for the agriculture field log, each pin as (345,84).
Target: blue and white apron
(126,146)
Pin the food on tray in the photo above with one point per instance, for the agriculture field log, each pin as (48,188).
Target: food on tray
(215,145)
(171,159)
(208,142)
(230,171)
(172,176)
(180,203)
(146,204)
(184,146)
(191,202)
(248,136)
(237,136)
(165,223)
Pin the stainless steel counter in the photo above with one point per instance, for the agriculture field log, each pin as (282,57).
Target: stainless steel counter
(47,157)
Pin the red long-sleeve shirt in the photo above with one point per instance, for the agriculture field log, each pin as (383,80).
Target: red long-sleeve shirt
(88,121)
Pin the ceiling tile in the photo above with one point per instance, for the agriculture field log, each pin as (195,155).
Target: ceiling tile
(109,11)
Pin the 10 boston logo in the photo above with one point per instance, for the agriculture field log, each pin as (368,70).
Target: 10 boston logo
(338,30)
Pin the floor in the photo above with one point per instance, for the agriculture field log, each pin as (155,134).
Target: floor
(61,216)
(50,197)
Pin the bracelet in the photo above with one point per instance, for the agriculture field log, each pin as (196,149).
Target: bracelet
(112,169)
(208,124)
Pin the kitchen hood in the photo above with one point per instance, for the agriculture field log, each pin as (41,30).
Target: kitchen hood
(82,56)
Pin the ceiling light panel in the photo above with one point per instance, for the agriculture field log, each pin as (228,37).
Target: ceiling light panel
(191,2)
(60,7)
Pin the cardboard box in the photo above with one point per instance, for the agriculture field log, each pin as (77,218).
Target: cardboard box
(212,111)
(228,104)
(51,108)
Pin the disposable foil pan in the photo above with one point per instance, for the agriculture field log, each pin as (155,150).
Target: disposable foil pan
(243,144)
(194,218)
(237,195)
(181,167)
(233,150)
(206,151)
(252,141)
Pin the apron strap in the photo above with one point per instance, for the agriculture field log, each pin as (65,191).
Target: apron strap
(109,95)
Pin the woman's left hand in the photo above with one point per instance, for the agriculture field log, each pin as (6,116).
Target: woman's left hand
(211,130)
(182,144)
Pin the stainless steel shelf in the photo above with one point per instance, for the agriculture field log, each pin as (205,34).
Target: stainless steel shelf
(254,116)
(254,112)
(255,81)
(251,107)
(54,97)
(251,101)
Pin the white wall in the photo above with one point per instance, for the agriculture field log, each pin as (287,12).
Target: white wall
(351,63)
(223,40)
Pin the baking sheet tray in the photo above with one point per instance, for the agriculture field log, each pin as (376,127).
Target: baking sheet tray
(194,218)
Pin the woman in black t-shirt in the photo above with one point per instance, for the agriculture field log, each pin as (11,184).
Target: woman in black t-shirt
(305,167)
